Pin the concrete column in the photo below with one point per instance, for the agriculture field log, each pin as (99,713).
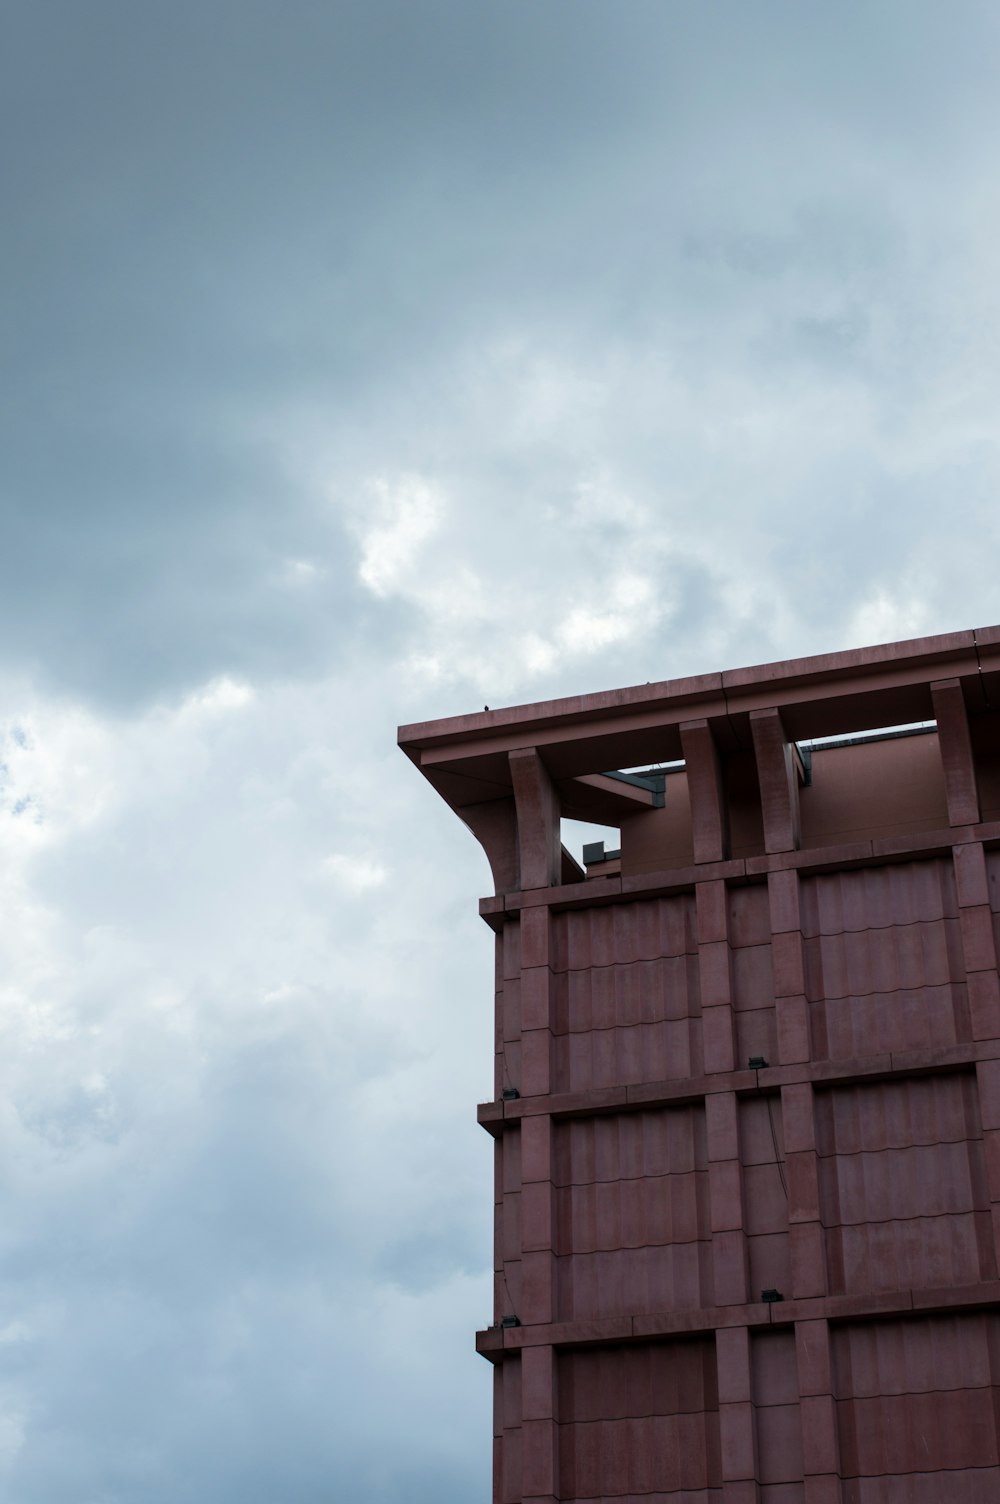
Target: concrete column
(494,825)
(725,1191)
(507,1226)
(538,1258)
(498,1431)
(956,752)
(539,844)
(978,944)
(779,781)
(539,1430)
(537,1207)
(508,1007)
(736,1421)
(993,1350)
(507,1431)
(705,791)
(715,976)
(788,960)
(807,1246)
(818,1411)
(988,1080)
(536,1002)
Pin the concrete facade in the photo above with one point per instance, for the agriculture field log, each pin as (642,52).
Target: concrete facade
(776,1283)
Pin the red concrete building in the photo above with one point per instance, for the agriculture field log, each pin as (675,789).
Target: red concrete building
(747,1106)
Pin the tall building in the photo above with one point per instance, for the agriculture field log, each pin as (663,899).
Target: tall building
(747,1101)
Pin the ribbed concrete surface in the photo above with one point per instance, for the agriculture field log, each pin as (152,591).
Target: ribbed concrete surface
(650,1186)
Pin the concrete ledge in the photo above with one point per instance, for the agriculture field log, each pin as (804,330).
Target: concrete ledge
(494,1343)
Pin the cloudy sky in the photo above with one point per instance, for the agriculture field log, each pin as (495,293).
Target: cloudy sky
(367,361)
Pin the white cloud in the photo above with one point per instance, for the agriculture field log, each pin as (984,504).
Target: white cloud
(402,515)
(301,572)
(889,617)
(13,1425)
(690,364)
(219,697)
(354,873)
(187,1023)
(54,775)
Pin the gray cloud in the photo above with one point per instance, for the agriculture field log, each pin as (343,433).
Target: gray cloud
(222,216)
(366,362)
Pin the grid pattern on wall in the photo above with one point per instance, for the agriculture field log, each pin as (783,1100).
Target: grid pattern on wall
(717,1282)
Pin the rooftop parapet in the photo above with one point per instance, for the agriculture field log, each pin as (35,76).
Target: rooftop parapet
(742,785)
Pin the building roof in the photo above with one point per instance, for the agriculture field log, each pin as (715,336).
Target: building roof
(466,757)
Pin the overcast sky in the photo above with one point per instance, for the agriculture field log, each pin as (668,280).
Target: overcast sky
(367,361)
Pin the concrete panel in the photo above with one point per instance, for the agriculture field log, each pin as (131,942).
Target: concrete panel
(845,928)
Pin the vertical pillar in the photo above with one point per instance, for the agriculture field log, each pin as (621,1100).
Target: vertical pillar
(788,960)
(980,956)
(736,1426)
(507,1398)
(508,1006)
(539,1430)
(538,1261)
(805,1230)
(500,1303)
(537,1209)
(494,826)
(956,752)
(778,777)
(988,1081)
(993,1352)
(818,1411)
(507,1227)
(715,976)
(725,1194)
(538,833)
(708,805)
(536,1002)
(498,1432)
(978,945)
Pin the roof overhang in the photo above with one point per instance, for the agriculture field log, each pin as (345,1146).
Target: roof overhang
(583,736)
